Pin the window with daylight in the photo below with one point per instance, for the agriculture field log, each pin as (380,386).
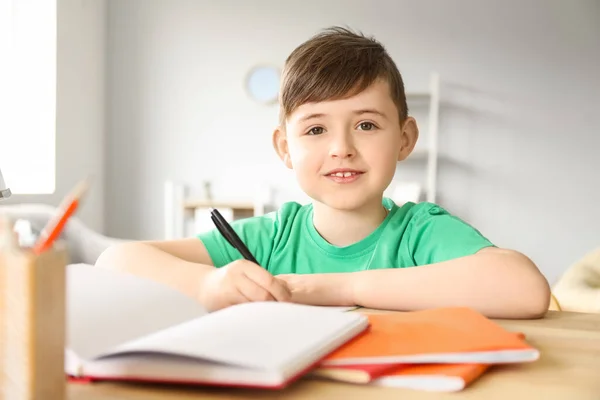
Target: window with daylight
(28,95)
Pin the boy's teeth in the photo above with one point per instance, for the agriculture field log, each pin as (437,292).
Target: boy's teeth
(343,174)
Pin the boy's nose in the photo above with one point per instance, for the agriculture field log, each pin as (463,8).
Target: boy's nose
(342,147)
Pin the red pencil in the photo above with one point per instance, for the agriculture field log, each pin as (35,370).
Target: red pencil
(55,226)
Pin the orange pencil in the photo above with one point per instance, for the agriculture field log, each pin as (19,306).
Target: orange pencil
(55,226)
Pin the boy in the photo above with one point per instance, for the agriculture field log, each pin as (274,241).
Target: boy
(343,128)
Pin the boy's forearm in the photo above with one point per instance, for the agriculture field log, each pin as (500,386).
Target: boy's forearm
(147,261)
(498,283)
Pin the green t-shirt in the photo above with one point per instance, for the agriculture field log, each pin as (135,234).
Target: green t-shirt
(286,241)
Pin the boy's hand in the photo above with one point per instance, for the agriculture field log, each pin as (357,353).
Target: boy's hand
(239,282)
(320,289)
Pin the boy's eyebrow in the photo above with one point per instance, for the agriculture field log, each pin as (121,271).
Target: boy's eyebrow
(370,111)
(308,117)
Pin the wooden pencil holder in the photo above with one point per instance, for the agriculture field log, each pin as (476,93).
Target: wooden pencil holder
(32,322)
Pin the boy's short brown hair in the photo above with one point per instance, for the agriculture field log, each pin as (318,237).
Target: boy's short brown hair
(335,64)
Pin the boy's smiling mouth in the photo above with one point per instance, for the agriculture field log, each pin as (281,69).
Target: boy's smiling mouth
(344,175)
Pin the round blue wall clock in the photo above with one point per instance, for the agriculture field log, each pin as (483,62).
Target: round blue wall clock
(262,84)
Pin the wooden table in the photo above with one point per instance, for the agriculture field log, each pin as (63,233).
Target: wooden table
(569,367)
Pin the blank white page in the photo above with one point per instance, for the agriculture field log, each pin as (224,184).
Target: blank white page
(106,308)
(264,335)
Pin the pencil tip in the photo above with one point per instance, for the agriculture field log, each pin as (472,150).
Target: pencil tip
(82,187)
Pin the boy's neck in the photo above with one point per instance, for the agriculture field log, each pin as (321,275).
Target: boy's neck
(346,227)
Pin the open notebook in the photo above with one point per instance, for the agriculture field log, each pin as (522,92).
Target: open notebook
(123,327)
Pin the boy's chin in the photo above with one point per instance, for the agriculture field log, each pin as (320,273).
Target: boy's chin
(345,203)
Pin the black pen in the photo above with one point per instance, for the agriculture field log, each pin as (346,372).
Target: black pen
(229,234)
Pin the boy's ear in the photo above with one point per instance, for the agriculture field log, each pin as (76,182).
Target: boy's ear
(280,144)
(408,139)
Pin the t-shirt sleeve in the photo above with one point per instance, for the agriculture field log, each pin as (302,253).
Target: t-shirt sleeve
(257,233)
(436,236)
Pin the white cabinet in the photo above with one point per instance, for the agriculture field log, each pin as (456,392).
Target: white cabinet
(426,150)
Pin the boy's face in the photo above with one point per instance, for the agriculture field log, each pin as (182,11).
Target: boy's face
(344,152)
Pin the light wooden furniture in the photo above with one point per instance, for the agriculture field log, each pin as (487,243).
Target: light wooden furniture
(180,210)
(240,209)
(569,367)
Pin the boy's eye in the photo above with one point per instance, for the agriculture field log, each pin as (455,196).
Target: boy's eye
(317,130)
(367,126)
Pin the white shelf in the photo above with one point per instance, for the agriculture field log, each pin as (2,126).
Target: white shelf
(418,154)
(417,95)
(429,153)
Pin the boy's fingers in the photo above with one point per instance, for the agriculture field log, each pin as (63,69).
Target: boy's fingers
(280,291)
(238,297)
(253,291)
(275,287)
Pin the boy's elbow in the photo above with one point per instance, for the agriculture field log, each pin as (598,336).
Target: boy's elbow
(536,293)
(113,256)
(106,255)
(537,302)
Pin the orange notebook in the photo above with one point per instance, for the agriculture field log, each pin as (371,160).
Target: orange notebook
(452,335)
(427,377)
